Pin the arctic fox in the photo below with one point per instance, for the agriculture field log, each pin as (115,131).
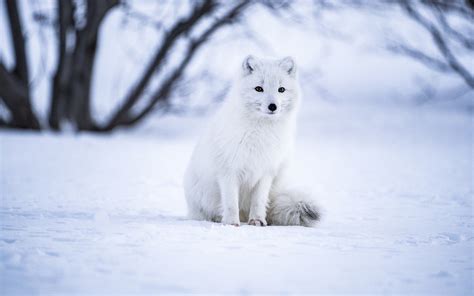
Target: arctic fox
(236,173)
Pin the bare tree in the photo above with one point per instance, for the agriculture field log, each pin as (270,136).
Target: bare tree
(444,36)
(77,44)
(124,116)
(77,48)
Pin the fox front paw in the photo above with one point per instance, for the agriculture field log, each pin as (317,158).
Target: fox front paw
(230,221)
(258,222)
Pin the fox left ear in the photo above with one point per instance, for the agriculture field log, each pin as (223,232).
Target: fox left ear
(249,65)
(289,66)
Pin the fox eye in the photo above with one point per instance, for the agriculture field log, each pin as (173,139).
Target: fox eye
(259,88)
(281,89)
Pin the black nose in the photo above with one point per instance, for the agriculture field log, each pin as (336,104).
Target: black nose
(272,107)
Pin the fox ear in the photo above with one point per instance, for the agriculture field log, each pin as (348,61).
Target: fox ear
(249,65)
(289,66)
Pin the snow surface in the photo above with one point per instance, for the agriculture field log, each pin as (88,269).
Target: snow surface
(106,214)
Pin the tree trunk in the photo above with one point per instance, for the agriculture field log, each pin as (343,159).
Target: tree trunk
(15,84)
(14,94)
(61,92)
(73,78)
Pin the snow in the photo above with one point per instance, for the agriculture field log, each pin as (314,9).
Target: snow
(106,214)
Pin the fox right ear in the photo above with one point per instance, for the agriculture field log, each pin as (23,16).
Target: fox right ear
(249,65)
(288,64)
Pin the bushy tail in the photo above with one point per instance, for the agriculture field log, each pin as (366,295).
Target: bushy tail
(292,207)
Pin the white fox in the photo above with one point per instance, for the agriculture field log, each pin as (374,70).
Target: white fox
(237,169)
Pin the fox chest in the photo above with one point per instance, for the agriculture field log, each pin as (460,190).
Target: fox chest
(254,154)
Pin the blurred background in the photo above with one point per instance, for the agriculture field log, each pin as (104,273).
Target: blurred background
(108,65)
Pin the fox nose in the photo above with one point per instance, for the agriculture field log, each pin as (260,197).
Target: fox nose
(272,107)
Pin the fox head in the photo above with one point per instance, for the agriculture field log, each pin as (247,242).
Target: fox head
(269,88)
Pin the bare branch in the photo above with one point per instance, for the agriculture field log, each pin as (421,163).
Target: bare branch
(163,93)
(467,42)
(459,7)
(440,43)
(145,19)
(432,62)
(184,25)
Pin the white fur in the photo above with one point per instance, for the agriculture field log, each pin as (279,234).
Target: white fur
(237,169)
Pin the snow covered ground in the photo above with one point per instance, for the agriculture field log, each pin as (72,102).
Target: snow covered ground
(106,214)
